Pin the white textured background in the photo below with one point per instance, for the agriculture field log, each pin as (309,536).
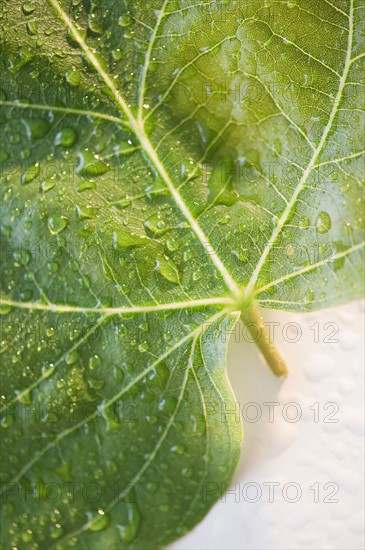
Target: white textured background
(304,452)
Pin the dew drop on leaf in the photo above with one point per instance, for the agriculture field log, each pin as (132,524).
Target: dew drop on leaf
(158,377)
(125,20)
(50,332)
(90,165)
(72,358)
(323,222)
(22,257)
(27,536)
(172,245)
(25,153)
(143,347)
(57,223)
(96,383)
(5,309)
(178,449)
(31,173)
(124,203)
(95,26)
(187,471)
(73,78)
(156,225)
(304,222)
(86,212)
(86,185)
(128,529)
(32,28)
(167,405)
(151,487)
(94,362)
(151,419)
(167,269)
(99,522)
(28,7)
(117,54)
(48,184)
(36,128)
(66,137)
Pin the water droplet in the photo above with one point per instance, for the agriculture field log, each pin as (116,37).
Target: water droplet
(95,26)
(86,185)
(179,449)
(57,223)
(22,256)
(72,358)
(126,147)
(189,170)
(28,7)
(156,225)
(27,536)
(31,173)
(187,255)
(348,228)
(73,78)
(48,184)
(151,487)
(199,426)
(117,54)
(128,529)
(158,377)
(125,20)
(32,28)
(304,222)
(167,405)
(36,128)
(151,419)
(323,222)
(167,269)
(90,165)
(60,383)
(56,531)
(5,309)
(143,347)
(99,522)
(124,203)
(172,245)
(187,471)
(86,212)
(50,332)
(94,362)
(96,383)
(66,137)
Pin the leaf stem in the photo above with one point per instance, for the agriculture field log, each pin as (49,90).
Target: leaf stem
(254,323)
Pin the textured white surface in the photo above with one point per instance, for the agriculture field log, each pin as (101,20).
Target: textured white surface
(303,452)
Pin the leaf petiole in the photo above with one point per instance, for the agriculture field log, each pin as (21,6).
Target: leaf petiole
(254,323)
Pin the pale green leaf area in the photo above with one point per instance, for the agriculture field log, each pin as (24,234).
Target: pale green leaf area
(165,168)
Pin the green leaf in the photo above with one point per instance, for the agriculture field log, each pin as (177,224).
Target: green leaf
(165,168)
